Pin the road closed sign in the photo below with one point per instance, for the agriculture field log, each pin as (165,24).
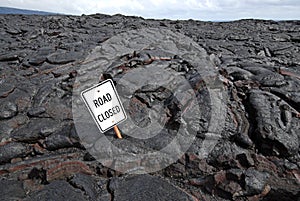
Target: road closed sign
(104,105)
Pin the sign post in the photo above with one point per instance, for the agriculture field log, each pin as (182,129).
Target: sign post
(105,106)
(117,131)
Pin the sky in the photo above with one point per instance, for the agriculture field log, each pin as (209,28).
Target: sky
(206,10)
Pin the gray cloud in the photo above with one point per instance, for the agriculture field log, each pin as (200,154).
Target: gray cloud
(173,9)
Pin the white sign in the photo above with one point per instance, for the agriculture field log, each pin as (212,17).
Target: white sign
(104,105)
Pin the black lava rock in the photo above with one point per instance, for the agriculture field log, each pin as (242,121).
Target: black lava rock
(245,75)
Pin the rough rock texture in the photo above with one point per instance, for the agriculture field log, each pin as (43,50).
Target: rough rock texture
(256,158)
(145,187)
